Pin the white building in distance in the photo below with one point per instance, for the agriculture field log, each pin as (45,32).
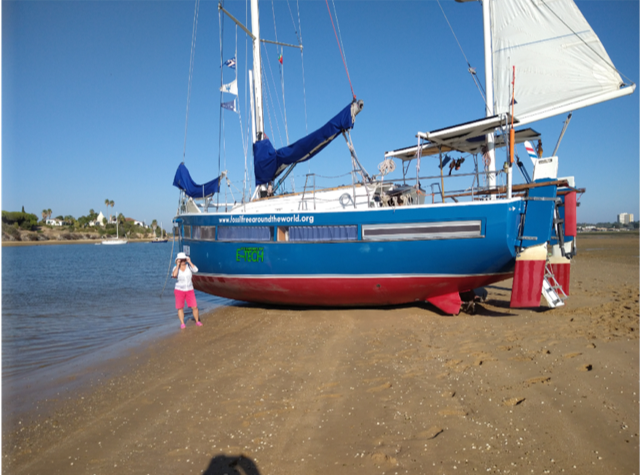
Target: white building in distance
(98,220)
(625,218)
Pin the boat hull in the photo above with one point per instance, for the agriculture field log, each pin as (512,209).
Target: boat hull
(340,291)
(114,242)
(397,256)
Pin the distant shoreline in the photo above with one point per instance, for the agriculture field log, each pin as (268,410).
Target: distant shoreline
(97,241)
(73,241)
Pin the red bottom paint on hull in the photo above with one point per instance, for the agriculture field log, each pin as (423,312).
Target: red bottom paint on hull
(339,292)
(562,273)
(527,284)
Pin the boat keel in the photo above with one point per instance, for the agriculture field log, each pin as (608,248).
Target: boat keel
(448,303)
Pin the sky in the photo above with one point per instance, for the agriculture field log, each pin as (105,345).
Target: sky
(94,97)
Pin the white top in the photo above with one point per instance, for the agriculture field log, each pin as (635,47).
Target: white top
(184,278)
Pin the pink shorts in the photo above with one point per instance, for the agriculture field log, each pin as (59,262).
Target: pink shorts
(182,295)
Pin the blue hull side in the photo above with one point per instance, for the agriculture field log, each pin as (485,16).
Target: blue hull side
(353,272)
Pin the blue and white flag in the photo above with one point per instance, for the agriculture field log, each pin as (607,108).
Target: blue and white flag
(231,105)
(231,88)
(231,63)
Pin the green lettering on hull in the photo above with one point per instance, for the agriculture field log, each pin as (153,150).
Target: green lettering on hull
(250,254)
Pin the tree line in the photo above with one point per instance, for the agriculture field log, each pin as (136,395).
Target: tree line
(29,222)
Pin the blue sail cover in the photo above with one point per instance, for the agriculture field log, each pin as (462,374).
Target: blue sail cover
(269,162)
(183,181)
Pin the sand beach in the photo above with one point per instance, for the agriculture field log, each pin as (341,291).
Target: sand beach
(265,390)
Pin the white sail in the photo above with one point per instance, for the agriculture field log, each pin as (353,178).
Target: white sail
(560,63)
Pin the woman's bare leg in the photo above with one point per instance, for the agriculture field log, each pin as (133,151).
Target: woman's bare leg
(195,313)
(181,316)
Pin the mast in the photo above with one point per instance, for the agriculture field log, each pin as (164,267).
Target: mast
(488,80)
(257,71)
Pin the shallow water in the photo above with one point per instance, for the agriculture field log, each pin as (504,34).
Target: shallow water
(62,303)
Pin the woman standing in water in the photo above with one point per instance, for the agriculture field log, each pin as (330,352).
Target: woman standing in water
(183,271)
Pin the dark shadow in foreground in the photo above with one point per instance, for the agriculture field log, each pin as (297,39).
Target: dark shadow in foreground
(231,465)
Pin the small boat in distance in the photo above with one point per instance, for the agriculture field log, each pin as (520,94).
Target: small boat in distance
(115,241)
(162,237)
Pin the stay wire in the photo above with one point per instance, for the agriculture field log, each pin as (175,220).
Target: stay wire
(170,261)
(335,13)
(470,68)
(265,106)
(245,141)
(191,64)
(304,90)
(221,115)
(585,43)
(273,94)
(340,48)
(281,69)
(294,23)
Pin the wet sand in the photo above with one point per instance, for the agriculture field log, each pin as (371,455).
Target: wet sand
(402,390)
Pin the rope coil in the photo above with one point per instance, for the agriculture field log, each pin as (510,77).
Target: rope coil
(387,166)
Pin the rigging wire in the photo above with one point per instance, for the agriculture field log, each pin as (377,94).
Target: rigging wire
(274,94)
(281,68)
(171,261)
(221,115)
(340,48)
(245,142)
(294,23)
(236,110)
(265,107)
(284,104)
(335,12)
(304,91)
(191,63)
(470,68)
(585,43)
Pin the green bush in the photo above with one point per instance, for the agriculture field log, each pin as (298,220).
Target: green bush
(22,219)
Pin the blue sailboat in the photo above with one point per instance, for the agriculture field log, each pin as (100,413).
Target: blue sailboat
(381,242)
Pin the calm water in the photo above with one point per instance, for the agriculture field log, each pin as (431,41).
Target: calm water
(60,303)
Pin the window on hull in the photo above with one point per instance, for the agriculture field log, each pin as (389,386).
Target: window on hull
(204,233)
(422,231)
(245,233)
(318,233)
